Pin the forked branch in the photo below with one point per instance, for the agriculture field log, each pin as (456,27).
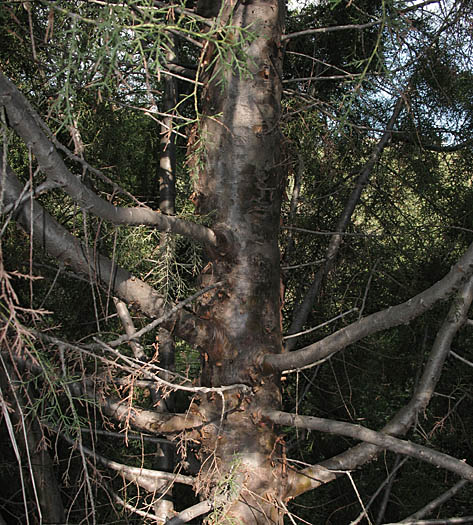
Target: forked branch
(383,441)
(403,420)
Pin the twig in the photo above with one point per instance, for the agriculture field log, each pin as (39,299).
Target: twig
(137,474)
(440,500)
(163,318)
(460,358)
(129,435)
(365,511)
(446,521)
(331,29)
(339,316)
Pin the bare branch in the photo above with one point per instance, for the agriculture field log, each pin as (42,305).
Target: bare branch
(321,325)
(161,320)
(331,29)
(392,316)
(150,421)
(383,441)
(187,12)
(387,493)
(25,122)
(402,421)
(150,480)
(59,243)
(389,480)
(438,148)
(318,78)
(135,510)
(435,503)
(128,435)
(130,329)
(446,521)
(191,512)
(460,358)
(302,312)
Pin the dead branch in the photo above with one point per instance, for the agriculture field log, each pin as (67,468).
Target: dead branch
(435,503)
(303,310)
(446,521)
(405,417)
(191,512)
(148,479)
(59,243)
(331,29)
(130,329)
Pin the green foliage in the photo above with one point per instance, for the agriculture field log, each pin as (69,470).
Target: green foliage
(226,491)
(97,78)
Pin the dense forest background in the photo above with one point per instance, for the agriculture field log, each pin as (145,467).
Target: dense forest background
(376,207)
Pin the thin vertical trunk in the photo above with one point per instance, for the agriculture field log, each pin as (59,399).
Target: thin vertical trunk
(240,189)
(167,159)
(164,505)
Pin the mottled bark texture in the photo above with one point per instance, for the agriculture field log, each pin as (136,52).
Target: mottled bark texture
(240,189)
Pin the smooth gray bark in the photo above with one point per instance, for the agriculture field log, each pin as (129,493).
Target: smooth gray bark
(383,441)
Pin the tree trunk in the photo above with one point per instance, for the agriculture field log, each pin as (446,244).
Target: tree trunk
(164,505)
(240,189)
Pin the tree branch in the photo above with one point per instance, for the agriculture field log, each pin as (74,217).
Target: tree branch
(303,310)
(191,512)
(59,243)
(392,316)
(416,140)
(130,329)
(440,500)
(151,480)
(170,313)
(26,122)
(148,420)
(405,417)
(445,521)
(383,441)
(128,435)
(331,29)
